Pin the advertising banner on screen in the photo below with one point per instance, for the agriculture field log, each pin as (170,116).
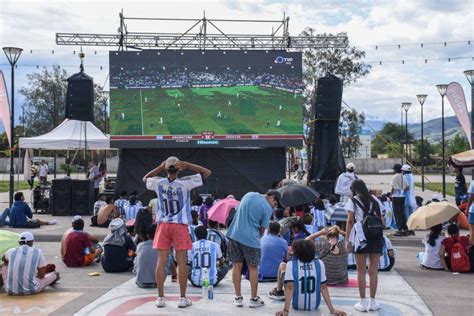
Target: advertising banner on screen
(197,98)
(455,95)
(5,107)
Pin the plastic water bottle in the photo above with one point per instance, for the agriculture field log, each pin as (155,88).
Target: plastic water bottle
(204,282)
(210,292)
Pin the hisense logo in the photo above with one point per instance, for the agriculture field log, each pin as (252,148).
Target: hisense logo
(283,60)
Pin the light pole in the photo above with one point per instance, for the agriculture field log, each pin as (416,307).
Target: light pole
(12,53)
(442,88)
(406,107)
(401,125)
(421,98)
(470,77)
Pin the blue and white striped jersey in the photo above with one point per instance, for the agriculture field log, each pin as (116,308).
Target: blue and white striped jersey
(23,264)
(384,259)
(174,198)
(216,237)
(121,205)
(131,212)
(204,254)
(319,217)
(307,279)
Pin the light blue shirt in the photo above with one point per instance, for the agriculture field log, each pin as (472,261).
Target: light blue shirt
(253,212)
(274,251)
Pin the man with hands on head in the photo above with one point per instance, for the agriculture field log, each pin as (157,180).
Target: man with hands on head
(173,217)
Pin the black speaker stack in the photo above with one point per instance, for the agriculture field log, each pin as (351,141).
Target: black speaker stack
(80,97)
(327,159)
(72,197)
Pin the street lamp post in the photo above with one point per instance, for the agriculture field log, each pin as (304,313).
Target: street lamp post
(470,77)
(401,125)
(442,88)
(12,53)
(406,107)
(421,98)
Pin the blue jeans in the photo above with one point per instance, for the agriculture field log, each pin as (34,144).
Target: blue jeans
(3,217)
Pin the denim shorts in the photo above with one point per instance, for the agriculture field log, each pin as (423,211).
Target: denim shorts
(471,218)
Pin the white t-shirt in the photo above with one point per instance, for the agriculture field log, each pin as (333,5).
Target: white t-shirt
(343,184)
(431,258)
(204,254)
(153,204)
(384,261)
(358,212)
(43,170)
(399,184)
(23,264)
(174,197)
(98,205)
(305,293)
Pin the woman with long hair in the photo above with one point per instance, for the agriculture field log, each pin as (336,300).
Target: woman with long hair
(358,207)
(429,259)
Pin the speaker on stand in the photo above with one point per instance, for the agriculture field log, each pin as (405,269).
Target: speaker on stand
(61,197)
(82,197)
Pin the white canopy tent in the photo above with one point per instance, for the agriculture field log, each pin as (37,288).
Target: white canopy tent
(69,135)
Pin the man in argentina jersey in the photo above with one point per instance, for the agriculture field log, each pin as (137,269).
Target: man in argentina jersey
(387,259)
(205,254)
(24,271)
(305,280)
(173,217)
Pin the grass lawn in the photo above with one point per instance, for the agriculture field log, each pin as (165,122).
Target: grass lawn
(437,187)
(20,185)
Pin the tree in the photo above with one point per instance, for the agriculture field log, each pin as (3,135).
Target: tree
(428,150)
(45,103)
(456,145)
(389,140)
(346,63)
(350,127)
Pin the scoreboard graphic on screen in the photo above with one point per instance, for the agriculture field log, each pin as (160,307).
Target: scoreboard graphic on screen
(195,98)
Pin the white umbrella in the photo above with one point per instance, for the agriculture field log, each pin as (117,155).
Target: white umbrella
(432,214)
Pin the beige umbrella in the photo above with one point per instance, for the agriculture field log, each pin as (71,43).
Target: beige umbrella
(432,214)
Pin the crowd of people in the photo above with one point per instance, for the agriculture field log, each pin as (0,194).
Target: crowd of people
(156,76)
(303,249)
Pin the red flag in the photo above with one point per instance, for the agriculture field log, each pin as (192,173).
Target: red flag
(5,107)
(457,100)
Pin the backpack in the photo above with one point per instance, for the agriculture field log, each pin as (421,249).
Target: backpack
(459,259)
(371,223)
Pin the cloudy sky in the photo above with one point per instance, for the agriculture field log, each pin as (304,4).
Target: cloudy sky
(32,25)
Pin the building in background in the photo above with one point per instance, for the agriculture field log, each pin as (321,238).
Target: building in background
(366,142)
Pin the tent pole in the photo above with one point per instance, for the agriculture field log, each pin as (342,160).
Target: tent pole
(55,162)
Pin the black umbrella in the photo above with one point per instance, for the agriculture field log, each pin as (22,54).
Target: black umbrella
(297,194)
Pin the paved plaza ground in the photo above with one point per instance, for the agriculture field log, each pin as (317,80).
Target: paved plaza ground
(407,290)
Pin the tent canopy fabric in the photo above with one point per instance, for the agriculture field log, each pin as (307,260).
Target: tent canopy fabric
(461,160)
(69,135)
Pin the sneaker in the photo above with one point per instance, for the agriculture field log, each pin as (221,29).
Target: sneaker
(361,306)
(411,232)
(373,305)
(238,301)
(184,302)
(276,294)
(256,302)
(160,302)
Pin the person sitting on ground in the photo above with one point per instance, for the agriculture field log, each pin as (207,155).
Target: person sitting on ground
(448,243)
(131,209)
(147,257)
(279,214)
(331,250)
(122,202)
(107,213)
(204,208)
(387,259)
(213,234)
(78,248)
(138,201)
(94,240)
(309,223)
(118,248)
(3,217)
(194,223)
(298,229)
(274,251)
(101,201)
(319,215)
(25,270)
(21,215)
(141,226)
(305,269)
(205,253)
(430,259)
(331,208)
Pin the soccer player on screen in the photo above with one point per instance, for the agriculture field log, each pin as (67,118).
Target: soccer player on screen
(123,116)
(161,120)
(230,103)
(280,108)
(219,114)
(278,124)
(173,216)
(146,100)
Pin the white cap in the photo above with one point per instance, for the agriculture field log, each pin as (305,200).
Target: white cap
(350,166)
(171,161)
(406,168)
(26,236)
(77,217)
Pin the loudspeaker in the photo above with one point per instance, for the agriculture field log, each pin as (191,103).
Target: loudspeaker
(82,197)
(329,98)
(80,98)
(61,197)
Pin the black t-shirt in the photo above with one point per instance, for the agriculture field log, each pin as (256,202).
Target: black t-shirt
(460,184)
(115,258)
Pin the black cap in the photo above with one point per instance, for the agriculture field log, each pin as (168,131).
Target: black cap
(277,196)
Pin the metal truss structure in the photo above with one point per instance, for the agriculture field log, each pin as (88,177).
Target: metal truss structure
(197,36)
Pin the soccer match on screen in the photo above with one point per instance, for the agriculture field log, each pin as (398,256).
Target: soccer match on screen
(191,92)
